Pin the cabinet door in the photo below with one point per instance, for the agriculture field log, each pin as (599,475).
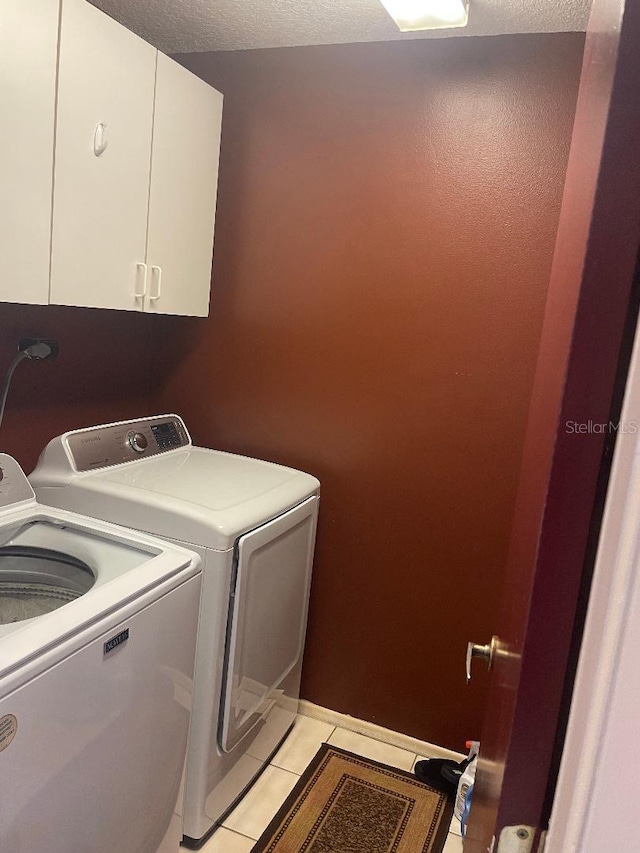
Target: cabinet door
(106,78)
(28,46)
(184,181)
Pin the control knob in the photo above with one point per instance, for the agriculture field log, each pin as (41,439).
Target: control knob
(137,441)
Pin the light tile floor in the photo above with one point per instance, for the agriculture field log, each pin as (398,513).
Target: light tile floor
(250,818)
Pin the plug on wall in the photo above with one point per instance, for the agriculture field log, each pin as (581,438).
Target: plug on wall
(39,348)
(36,349)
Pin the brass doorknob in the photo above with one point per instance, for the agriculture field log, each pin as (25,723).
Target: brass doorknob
(485,653)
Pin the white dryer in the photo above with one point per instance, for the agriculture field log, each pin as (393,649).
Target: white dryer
(254,525)
(97,647)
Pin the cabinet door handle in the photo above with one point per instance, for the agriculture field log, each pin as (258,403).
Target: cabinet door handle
(156,274)
(141,281)
(99,141)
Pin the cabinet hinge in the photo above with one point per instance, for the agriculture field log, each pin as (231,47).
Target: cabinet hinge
(517,839)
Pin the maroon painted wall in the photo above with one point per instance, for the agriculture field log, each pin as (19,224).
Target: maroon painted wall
(386,221)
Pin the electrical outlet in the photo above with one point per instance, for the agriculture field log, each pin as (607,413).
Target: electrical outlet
(24,343)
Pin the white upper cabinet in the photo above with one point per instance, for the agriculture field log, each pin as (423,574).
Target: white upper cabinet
(104,124)
(28,47)
(136,171)
(182,202)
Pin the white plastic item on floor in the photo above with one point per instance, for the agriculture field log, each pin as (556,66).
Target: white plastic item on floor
(466,780)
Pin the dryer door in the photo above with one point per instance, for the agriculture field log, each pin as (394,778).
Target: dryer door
(269,605)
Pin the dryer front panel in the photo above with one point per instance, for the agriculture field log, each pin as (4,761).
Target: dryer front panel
(268,622)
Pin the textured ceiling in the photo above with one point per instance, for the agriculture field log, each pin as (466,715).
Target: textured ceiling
(196,25)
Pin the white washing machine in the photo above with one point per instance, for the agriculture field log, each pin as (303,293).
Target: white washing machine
(254,525)
(97,648)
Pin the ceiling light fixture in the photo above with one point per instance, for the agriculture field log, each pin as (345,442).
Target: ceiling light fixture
(411,15)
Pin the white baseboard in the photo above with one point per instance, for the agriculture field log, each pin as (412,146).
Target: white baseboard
(362,727)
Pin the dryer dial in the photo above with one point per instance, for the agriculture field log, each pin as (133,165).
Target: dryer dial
(137,441)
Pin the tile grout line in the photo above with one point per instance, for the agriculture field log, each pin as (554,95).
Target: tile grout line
(241,834)
(284,770)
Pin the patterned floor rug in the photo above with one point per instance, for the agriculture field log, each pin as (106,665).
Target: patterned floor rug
(344,803)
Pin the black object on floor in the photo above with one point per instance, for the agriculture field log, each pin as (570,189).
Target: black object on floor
(440,773)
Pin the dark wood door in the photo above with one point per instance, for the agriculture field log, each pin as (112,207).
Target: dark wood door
(574,390)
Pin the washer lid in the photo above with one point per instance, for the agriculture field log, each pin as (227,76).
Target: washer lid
(198,496)
(126,567)
(94,568)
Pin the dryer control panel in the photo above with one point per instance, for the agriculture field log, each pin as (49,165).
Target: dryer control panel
(112,444)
